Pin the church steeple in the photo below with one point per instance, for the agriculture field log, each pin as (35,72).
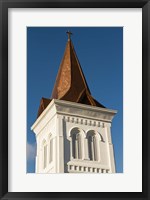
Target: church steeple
(72,137)
(70,84)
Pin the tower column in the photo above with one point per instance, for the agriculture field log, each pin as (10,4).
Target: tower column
(110,148)
(60,145)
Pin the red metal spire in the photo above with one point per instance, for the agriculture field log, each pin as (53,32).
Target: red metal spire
(70,84)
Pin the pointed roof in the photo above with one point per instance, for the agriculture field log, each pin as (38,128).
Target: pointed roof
(70,84)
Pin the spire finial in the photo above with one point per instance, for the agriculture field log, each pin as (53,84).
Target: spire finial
(69,34)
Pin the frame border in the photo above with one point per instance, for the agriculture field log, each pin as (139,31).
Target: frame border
(4,6)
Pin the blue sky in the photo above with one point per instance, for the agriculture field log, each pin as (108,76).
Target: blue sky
(100,52)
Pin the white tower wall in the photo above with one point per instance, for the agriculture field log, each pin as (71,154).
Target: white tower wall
(53,130)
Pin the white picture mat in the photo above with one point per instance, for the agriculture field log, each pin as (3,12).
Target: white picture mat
(131,179)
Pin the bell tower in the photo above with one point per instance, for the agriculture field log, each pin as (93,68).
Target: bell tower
(73,130)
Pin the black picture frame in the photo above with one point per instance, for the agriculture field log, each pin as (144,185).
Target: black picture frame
(4,6)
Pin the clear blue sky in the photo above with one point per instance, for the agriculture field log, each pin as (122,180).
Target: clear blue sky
(100,52)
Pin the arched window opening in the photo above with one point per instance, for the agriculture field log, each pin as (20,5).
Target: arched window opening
(76,140)
(92,146)
(74,145)
(50,150)
(44,154)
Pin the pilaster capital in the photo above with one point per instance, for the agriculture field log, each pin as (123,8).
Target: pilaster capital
(107,125)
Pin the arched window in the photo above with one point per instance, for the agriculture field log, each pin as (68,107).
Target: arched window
(50,150)
(44,154)
(76,143)
(93,149)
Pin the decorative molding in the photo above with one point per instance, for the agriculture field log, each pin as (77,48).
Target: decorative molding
(83,121)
